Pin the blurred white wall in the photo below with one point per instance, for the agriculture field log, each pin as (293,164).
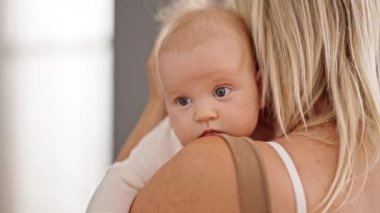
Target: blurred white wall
(55,102)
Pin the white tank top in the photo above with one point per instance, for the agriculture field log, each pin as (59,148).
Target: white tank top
(294,177)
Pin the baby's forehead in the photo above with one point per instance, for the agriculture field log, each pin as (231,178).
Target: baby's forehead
(194,28)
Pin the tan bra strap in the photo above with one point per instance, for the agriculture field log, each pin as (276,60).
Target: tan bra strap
(252,181)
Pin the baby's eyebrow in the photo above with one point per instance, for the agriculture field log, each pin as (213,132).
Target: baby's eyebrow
(224,78)
(172,94)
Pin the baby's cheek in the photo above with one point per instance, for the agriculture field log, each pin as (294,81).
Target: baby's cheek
(187,134)
(181,131)
(252,122)
(247,122)
(183,126)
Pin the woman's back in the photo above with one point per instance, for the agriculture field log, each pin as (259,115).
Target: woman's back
(316,164)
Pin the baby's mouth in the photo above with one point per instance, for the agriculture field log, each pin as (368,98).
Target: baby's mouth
(210,132)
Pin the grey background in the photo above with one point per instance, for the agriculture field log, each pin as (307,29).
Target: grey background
(135,30)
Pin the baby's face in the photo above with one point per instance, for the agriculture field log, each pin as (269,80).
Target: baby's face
(210,89)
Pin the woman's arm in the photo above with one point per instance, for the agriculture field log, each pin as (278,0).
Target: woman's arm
(153,113)
(200,178)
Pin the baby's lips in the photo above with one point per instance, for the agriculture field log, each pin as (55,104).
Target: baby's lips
(210,132)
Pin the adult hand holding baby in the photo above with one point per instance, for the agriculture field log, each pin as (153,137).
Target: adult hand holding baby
(156,93)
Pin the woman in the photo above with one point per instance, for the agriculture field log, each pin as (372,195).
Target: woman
(320,62)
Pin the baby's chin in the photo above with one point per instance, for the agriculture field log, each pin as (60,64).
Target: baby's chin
(186,142)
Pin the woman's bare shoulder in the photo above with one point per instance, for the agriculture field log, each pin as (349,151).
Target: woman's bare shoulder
(200,178)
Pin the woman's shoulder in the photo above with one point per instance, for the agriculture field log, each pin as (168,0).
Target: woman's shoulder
(200,178)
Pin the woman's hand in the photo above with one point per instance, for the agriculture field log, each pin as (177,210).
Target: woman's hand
(156,93)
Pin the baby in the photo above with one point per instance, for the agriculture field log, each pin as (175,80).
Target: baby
(206,67)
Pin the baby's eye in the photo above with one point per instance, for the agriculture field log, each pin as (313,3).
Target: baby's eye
(221,91)
(183,101)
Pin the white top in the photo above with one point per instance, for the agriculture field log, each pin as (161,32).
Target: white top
(294,177)
(124,179)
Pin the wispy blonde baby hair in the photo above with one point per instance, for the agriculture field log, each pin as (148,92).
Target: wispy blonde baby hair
(186,24)
(320,64)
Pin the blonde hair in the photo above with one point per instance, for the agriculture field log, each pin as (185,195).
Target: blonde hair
(322,53)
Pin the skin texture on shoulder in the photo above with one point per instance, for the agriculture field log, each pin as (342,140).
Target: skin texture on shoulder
(200,178)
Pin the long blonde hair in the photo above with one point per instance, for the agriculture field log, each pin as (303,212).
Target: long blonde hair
(322,52)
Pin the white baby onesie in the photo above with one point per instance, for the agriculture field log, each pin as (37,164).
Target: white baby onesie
(124,179)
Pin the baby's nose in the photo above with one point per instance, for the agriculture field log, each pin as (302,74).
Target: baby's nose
(206,114)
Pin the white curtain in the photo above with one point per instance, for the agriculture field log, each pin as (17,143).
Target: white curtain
(55,102)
